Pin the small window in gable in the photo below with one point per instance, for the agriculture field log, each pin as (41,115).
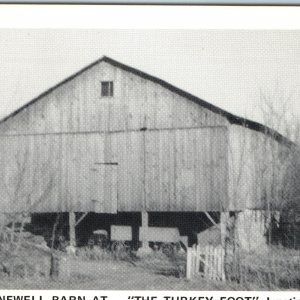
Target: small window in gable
(107,89)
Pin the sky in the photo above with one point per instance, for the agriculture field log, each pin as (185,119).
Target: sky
(233,69)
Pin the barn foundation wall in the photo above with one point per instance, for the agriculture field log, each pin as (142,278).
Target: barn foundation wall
(252,229)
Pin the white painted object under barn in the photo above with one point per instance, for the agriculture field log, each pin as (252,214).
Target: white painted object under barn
(121,233)
(160,234)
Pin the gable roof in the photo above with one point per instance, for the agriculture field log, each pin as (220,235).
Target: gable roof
(233,119)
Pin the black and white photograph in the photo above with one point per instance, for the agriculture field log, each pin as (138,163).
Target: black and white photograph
(149,159)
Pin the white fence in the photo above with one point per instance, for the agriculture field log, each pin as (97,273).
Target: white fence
(207,261)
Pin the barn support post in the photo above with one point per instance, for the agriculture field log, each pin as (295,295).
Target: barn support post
(145,219)
(145,249)
(224,219)
(72,232)
(224,223)
(145,222)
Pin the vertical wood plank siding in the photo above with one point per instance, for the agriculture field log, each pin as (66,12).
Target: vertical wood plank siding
(166,153)
(116,171)
(186,170)
(77,106)
(255,167)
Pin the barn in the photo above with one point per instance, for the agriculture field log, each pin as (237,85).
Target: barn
(113,145)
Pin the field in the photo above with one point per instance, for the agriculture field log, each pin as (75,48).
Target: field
(102,275)
(95,268)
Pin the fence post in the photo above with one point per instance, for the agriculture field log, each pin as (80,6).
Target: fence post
(220,263)
(223,263)
(206,265)
(209,261)
(189,263)
(198,253)
(216,263)
(194,259)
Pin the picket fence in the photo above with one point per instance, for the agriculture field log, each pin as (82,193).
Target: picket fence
(206,261)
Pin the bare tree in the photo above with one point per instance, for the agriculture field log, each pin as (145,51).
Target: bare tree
(26,187)
(267,169)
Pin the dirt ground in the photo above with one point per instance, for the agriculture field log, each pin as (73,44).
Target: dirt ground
(102,275)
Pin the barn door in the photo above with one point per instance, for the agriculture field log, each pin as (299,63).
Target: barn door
(104,187)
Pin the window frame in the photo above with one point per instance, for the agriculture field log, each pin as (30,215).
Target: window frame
(107,89)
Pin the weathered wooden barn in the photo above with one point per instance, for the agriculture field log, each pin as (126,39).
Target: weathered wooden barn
(112,139)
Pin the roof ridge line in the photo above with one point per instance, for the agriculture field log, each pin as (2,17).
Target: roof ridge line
(233,119)
(49,90)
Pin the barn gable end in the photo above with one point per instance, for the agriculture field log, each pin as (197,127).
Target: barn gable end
(149,147)
(76,105)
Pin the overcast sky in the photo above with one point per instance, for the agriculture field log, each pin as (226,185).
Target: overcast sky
(225,68)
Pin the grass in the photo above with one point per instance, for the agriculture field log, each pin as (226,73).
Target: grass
(157,262)
(113,275)
(98,254)
(94,254)
(275,268)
